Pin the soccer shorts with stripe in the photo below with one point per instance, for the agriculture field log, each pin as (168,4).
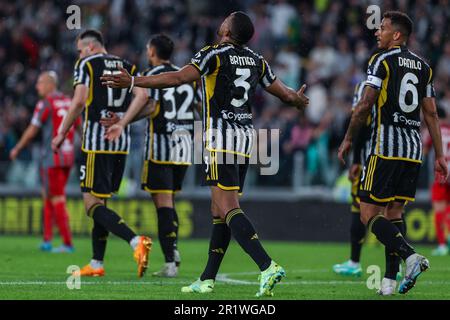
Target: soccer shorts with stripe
(386,180)
(162,178)
(225,170)
(101,174)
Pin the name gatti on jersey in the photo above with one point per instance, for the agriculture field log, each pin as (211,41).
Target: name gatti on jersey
(113,64)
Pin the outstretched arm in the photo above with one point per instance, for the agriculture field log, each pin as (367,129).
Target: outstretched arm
(359,117)
(288,95)
(432,120)
(187,74)
(76,107)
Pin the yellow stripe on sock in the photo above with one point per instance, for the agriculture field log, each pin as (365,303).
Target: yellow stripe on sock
(218,221)
(232,213)
(369,227)
(91,210)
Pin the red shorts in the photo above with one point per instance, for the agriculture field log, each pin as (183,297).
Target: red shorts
(440,192)
(54,180)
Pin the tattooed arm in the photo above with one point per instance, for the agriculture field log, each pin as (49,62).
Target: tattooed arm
(359,118)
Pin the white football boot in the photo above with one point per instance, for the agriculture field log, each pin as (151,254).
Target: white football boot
(169,270)
(415,265)
(387,287)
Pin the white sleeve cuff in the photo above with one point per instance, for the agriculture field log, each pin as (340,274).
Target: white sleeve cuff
(374,81)
(430,91)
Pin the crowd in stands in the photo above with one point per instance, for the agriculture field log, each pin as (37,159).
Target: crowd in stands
(323,43)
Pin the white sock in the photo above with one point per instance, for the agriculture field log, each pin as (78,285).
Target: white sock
(353,263)
(96,264)
(134,242)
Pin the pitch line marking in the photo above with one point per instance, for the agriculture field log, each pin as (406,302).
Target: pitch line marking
(223,278)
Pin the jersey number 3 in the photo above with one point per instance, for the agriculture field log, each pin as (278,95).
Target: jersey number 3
(241,82)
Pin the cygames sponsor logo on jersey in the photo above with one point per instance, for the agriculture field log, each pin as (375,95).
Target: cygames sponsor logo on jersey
(171,127)
(229,115)
(399,118)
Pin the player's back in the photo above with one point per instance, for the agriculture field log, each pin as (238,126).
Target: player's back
(102,100)
(170,127)
(174,106)
(231,74)
(404,79)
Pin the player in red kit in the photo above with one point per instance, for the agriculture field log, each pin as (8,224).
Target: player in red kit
(54,167)
(440,192)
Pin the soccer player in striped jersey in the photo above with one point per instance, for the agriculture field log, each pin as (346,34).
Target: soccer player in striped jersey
(103,161)
(54,167)
(168,146)
(230,73)
(399,83)
(361,149)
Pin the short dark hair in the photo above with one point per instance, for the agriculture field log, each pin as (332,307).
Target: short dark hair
(242,28)
(401,21)
(92,33)
(163,46)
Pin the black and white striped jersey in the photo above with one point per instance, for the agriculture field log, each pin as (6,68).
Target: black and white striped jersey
(403,79)
(101,101)
(361,143)
(230,74)
(170,127)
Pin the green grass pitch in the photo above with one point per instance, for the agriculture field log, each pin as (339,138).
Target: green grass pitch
(27,273)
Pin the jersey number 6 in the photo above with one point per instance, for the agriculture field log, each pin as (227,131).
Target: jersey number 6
(408,85)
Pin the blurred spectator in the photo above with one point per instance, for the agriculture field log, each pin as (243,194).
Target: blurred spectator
(323,43)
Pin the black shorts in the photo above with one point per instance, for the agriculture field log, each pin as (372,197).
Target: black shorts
(385,180)
(354,193)
(101,174)
(225,171)
(162,178)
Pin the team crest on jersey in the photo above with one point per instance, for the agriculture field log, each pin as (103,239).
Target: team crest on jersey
(170,126)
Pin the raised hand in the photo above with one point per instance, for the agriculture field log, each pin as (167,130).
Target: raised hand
(304,100)
(119,80)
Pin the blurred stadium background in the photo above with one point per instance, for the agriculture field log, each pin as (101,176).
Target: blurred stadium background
(323,43)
